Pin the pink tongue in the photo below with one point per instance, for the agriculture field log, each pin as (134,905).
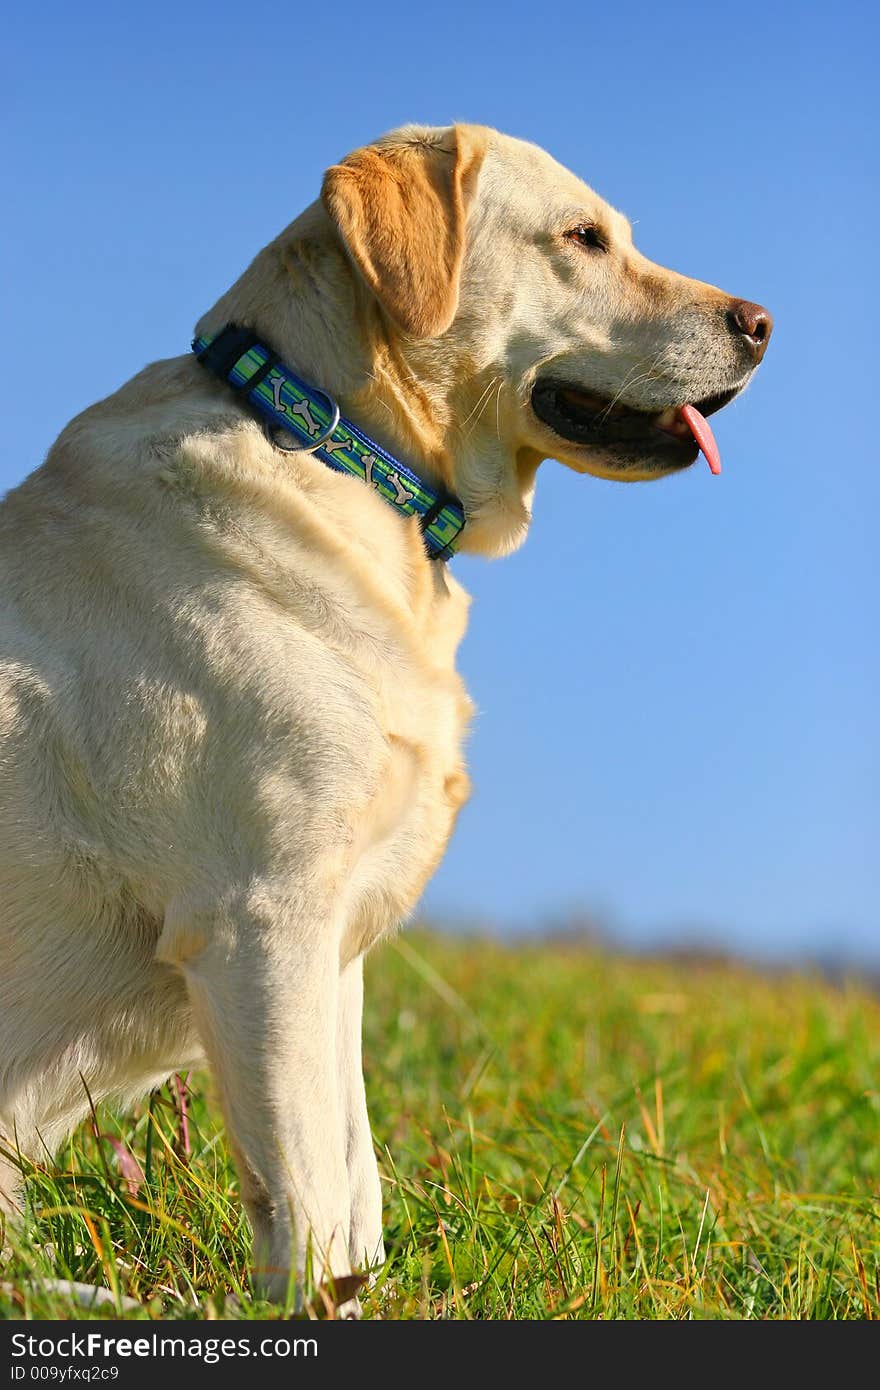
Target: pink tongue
(699,428)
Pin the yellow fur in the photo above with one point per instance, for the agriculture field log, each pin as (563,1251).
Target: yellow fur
(231,727)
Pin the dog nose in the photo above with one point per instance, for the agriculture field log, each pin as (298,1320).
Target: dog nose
(752,322)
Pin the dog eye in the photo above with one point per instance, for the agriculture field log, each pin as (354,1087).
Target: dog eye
(589,236)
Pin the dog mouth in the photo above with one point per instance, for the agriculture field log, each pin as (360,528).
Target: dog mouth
(671,438)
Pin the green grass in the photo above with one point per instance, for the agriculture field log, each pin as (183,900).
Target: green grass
(563,1132)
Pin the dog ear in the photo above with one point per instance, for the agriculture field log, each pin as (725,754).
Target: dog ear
(400,206)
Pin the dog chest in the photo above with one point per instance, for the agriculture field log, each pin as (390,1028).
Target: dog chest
(405,822)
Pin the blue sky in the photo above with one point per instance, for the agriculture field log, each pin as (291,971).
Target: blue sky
(677,682)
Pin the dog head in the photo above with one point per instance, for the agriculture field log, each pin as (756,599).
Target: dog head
(520,322)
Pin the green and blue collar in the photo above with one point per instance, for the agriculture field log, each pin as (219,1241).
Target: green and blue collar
(312,418)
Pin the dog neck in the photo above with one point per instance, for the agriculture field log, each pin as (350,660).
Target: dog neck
(423,401)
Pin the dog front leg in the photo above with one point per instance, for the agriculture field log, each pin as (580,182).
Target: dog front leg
(365,1239)
(264,995)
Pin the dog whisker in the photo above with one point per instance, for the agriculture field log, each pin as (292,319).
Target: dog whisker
(481,403)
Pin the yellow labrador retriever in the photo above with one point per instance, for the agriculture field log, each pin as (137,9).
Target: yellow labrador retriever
(231,726)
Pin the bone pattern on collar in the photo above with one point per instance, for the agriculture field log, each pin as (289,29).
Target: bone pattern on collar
(307,413)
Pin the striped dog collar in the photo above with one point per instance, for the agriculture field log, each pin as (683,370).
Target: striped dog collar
(312,417)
